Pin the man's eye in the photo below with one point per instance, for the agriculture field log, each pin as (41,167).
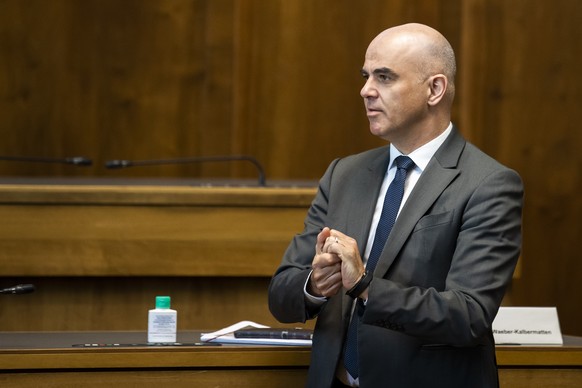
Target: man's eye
(383,77)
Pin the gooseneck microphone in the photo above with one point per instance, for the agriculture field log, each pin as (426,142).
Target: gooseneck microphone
(113,164)
(19,289)
(75,160)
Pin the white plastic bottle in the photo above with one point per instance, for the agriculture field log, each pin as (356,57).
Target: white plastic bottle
(162,321)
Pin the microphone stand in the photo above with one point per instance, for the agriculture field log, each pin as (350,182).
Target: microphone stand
(19,289)
(76,160)
(114,164)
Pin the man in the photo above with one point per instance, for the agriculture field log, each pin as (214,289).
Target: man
(420,304)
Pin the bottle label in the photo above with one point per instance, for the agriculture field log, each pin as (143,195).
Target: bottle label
(164,323)
(162,326)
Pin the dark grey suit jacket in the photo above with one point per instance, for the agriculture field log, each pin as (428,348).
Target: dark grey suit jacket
(439,282)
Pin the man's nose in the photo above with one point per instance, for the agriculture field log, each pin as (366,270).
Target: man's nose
(368,89)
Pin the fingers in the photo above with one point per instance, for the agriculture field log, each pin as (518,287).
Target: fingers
(346,249)
(327,280)
(332,290)
(337,262)
(342,245)
(333,244)
(342,239)
(327,237)
(321,239)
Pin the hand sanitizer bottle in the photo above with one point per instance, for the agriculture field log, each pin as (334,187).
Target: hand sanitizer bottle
(162,321)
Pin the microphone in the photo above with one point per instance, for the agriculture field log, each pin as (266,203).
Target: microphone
(76,160)
(115,164)
(19,289)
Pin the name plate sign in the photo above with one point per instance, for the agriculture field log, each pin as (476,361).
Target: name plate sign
(527,326)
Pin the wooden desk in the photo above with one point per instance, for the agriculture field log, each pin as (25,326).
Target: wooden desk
(49,360)
(541,366)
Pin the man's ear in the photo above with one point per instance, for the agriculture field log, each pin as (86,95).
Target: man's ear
(437,88)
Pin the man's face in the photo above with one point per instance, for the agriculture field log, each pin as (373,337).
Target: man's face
(395,94)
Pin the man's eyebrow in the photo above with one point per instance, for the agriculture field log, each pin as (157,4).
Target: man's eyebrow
(382,71)
(386,71)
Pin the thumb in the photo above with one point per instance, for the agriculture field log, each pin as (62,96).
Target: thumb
(321,237)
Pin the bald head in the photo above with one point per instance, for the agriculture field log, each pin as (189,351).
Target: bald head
(427,49)
(409,89)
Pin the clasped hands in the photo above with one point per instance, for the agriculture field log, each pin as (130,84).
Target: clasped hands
(336,264)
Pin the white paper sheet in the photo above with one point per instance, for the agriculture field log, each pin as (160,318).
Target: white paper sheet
(226,336)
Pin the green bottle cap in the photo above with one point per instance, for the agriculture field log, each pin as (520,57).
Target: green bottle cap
(162,302)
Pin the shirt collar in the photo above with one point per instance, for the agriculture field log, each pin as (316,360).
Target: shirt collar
(422,155)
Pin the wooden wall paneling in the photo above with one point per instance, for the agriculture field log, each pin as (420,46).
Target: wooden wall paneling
(521,88)
(148,80)
(298,78)
(185,52)
(116,79)
(145,240)
(122,303)
(279,80)
(29,84)
(99,255)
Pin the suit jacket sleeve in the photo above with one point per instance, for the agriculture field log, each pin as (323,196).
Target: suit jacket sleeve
(286,296)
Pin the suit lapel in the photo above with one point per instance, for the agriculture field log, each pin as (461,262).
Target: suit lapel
(438,174)
(364,204)
(365,201)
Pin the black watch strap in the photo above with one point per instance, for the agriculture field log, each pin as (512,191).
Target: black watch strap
(361,285)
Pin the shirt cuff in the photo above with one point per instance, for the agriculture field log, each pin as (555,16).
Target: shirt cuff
(316,301)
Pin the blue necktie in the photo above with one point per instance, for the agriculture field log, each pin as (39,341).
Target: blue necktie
(390,209)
